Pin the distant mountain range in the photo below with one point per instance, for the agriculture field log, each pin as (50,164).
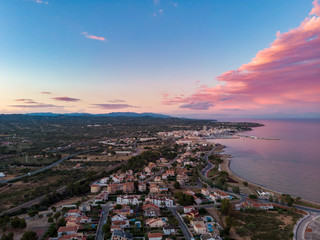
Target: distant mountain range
(113,114)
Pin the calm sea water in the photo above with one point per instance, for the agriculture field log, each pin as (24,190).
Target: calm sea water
(289,165)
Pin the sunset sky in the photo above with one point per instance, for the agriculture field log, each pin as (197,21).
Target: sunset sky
(200,58)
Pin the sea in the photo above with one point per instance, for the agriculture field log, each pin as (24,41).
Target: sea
(290,165)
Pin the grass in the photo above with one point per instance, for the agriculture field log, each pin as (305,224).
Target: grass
(264,225)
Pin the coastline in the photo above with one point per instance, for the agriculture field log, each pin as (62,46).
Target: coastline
(225,166)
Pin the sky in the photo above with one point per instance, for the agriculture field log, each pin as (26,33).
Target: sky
(200,58)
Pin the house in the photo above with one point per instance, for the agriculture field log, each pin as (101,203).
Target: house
(153,188)
(197,200)
(170,172)
(155,236)
(155,222)
(120,224)
(168,230)
(76,236)
(128,187)
(67,230)
(148,170)
(188,209)
(151,210)
(142,187)
(205,192)
(121,235)
(85,219)
(157,179)
(160,201)
(125,187)
(125,211)
(74,213)
(128,199)
(221,195)
(2,174)
(213,197)
(118,217)
(199,227)
(85,207)
(95,188)
(194,213)
(103,196)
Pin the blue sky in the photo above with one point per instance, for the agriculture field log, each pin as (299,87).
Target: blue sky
(151,47)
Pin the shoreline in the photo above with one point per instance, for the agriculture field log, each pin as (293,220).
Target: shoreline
(225,166)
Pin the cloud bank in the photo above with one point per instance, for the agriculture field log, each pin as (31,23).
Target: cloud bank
(284,76)
(66,99)
(113,106)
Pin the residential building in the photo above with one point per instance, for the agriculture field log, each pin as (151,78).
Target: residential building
(155,222)
(199,227)
(67,230)
(128,199)
(155,236)
(151,210)
(95,188)
(160,201)
(121,235)
(168,230)
(205,192)
(142,187)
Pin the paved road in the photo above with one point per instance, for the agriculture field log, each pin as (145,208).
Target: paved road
(47,167)
(103,220)
(39,199)
(183,226)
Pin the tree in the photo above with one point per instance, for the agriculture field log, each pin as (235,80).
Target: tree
(203,211)
(270,198)
(225,207)
(252,196)
(15,222)
(32,213)
(61,222)
(57,215)
(7,237)
(177,185)
(245,183)
(118,206)
(236,189)
(29,235)
(50,220)
(23,223)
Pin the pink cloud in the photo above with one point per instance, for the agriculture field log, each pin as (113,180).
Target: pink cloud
(116,101)
(46,93)
(93,37)
(284,76)
(40,105)
(114,106)
(66,99)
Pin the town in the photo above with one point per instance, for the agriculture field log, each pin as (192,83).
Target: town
(164,185)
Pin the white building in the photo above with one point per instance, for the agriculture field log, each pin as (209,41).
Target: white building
(160,201)
(128,200)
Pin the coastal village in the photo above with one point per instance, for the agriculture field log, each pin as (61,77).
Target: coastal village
(188,195)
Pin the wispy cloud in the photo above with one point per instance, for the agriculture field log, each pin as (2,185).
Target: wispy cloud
(117,101)
(113,106)
(284,76)
(87,35)
(37,1)
(48,93)
(66,99)
(198,105)
(39,105)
